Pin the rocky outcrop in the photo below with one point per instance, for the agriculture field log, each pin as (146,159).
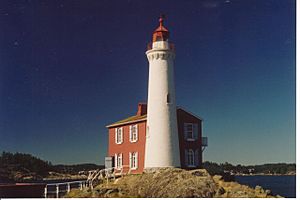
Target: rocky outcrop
(171,182)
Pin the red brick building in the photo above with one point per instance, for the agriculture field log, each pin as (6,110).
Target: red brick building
(127,139)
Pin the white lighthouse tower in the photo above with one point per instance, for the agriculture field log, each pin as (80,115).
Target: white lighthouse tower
(162,146)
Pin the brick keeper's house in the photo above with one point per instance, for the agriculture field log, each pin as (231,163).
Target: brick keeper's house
(127,139)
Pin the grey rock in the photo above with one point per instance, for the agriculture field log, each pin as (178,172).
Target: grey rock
(197,173)
(101,190)
(268,192)
(112,190)
(258,189)
(220,191)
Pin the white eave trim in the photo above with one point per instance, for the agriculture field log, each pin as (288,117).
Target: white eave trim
(129,122)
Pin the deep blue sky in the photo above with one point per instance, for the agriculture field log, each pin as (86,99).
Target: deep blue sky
(68,68)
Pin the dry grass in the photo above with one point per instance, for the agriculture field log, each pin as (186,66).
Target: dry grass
(172,183)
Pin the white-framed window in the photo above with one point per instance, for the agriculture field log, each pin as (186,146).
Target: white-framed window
(119,160)
(133,160)
(119,135)
(190,158)
(191,131)
(133,133)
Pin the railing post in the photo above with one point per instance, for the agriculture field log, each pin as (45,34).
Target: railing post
(45,192)
(106,174)
(80,185)
(68,188)
(57,191)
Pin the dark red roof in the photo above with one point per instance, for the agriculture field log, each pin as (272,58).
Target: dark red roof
(137,118)
(161,33)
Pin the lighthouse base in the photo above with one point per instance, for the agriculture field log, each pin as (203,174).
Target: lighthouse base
(155,169)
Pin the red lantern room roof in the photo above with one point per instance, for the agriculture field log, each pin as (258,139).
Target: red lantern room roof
(161,33)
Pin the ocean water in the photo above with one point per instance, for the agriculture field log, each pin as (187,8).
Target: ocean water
(283,185)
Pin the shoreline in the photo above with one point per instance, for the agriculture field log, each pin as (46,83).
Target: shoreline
(264,175)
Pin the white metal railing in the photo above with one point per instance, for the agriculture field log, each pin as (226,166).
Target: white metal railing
(65,187)
(204,143)
(59,189)
(107,173)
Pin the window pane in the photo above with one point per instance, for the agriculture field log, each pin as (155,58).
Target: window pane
(189,131)
(191,157)
(119,135)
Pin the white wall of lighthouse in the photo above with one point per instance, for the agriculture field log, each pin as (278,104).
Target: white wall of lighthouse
(162,146)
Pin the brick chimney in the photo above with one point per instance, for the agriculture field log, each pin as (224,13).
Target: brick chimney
(142,109)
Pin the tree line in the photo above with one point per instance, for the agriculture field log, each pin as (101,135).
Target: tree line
(276,168)
(22,163)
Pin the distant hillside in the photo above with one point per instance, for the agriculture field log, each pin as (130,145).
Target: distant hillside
(23,167)
(19,166)
(272,169)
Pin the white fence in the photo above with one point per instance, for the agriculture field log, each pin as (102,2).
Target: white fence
(107,173)
(57,189)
